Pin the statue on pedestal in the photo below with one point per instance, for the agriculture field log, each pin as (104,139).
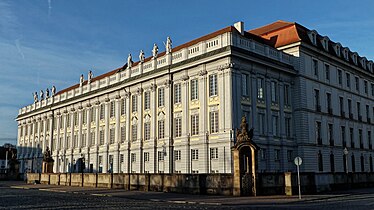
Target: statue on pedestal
(129,61)
(141,56)
(53,90)
(81,80)
(155,51)
(168,45)
(35,95)
(41,95)
(90,76)
(243,135)
(47,93)
(47,161)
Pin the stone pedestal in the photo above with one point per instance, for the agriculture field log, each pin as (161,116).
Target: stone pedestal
(236,178)
(288,183)
(47,167)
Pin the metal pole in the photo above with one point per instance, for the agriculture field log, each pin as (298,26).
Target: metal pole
(6,159)
(298,180)
(346,163)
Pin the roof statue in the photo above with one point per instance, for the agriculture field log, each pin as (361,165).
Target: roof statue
(155,50)
(35,97)
(47,93)
(243,135)
(53,90)
(81,80)
(141,56)
(90,76)
(129,61)
(168,45)
(41,95)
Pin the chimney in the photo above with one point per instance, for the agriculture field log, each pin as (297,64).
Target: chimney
(240,27)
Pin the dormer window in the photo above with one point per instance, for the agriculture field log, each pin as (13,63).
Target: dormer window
(313,36)
(345,53)
(363,62)
(325,43)
(337,49)
(370,66)
(354,58)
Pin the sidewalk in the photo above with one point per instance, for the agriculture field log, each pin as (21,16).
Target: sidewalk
(179,198)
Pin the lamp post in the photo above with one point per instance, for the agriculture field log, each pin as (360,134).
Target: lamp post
(345,151)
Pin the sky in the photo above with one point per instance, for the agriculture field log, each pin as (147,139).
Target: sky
(53,42)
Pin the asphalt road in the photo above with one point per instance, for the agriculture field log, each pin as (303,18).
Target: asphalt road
(56,197)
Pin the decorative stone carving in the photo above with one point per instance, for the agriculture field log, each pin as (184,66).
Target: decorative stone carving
(153,87)
(129,61)
(89,77)
(141,56)
(127,94)
(155,51)
(185,77)
(53,90)
(81,80)
(167,83)
(243,135)
(168,45)
(139,91)
(203,72)
(35,95)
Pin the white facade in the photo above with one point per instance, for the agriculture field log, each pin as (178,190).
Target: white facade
(178,112)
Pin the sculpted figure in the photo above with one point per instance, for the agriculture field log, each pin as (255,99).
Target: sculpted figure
(81,80)
(168,45)
(141,56)
(129,61)
(47,93)
(90,76)
(155,50)
(53,90)
(41,95)
(35,97)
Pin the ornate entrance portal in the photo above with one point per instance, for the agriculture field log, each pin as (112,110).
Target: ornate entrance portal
(244,156)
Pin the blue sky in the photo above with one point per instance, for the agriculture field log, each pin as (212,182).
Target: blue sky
(52,42)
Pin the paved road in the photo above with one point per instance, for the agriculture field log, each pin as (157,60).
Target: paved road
(20,196)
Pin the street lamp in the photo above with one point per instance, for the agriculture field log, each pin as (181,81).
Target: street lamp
(345,151)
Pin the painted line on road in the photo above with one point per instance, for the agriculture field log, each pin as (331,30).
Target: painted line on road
(102,195)
(17,187)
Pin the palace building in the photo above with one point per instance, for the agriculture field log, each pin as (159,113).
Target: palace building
(178,111)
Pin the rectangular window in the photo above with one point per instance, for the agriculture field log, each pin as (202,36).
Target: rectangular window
(147,131)
(316,100)
(315,67)
(161,155)
(261,123)
(194,124)
(348,76)
(369,140)
(366,87)
(350,108)
(372,89)
(84,117)
(112,109)
(93,115)
(214,153)
(134,103)
(178,127)
(111,135)
(102,111)
(123,134)
(289,155)
(101,137)
(340,77)
(122,158)
(344,140)
(274,90)
(357,82)
(327,71)
(245,85)
(328,99)
(161,97)
(331,134)
(213,89)
(177,155)
(260,88)
(367,114)
(68,122)
(177,93)
(318,133)
(161,129)
(351,137)
(146,156)
(359,111)
(194,154)
(92,138)
(213,119)
(134,132)
(147,100)
(194,89)
(75,119)
(287,95)
(263,154)
(276,154)
(123,106)
(275,125)
(360,138)
(133,157)
(288,127)
(341,105)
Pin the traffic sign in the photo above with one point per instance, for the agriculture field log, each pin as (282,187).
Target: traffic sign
(298,161)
